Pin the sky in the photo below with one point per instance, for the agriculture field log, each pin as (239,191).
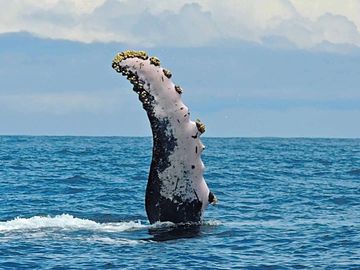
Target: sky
(283,68)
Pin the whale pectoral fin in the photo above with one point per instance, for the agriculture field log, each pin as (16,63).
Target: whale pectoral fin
(176,190)
(212,198)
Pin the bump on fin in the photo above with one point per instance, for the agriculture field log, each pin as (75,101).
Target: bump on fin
(178,89)
(212,198)
(200,126)
(167,73)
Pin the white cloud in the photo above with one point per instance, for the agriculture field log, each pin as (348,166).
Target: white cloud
(306,24)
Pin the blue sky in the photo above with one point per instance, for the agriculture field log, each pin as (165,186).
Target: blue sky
(249,68)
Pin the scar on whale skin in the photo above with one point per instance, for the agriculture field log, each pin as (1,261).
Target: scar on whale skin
(176,190)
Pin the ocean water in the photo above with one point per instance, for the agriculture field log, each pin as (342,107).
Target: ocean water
(78,203)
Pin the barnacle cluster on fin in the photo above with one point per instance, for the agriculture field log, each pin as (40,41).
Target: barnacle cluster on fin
(200,126)
(134,79)
(178,89)
(167,73)
(154,61)
(124,55)
(129,54)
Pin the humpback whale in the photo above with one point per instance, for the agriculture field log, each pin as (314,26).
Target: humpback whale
(176,190)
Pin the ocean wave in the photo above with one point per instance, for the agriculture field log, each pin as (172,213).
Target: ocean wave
(67,222)
(76,178)
(355,171)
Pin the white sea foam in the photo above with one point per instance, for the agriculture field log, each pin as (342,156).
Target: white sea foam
(165,224)
(115,241)
(211,223)
(168,224)
(67,222)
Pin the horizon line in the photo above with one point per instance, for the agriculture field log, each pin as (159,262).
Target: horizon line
(150,136)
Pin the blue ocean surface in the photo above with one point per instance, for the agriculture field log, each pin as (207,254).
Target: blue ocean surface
(78,203)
